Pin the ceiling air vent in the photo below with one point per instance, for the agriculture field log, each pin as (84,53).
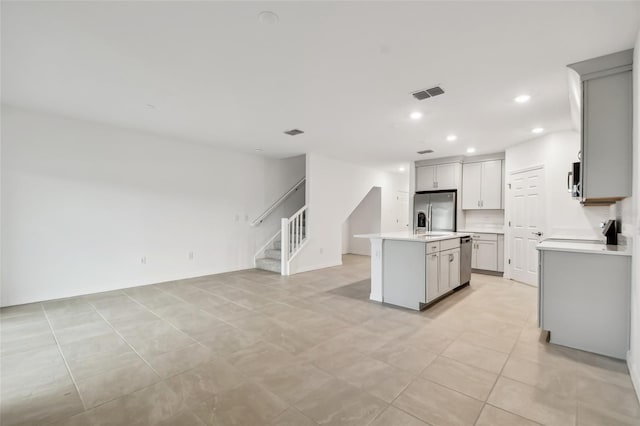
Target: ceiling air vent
(426,151)
(428,93)
(293,132)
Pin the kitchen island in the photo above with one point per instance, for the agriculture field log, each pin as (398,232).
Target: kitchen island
(415,270)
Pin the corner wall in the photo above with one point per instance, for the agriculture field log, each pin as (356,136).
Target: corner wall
(365,219)
(334,189)
(83,203)
(633,359)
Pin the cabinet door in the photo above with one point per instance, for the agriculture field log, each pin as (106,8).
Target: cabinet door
(474,254)
(454,269)
(425,178)
(432,276)
(487,255)
(471,182)
(443,279)
(607,136)
(447,176)
(491,188)
(500,253)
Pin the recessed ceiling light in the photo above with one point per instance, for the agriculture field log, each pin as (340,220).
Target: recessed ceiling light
(452,138)
(258,149)
(268,17)
(521,99)
(537,130)
(471,150)
(401,169)
(416,115)
(150,106)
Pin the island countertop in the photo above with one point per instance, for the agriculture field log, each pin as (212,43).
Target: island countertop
(410,236)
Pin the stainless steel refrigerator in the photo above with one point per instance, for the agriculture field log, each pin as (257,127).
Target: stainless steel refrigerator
(434,211)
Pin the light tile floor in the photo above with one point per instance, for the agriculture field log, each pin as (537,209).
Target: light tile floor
(254,348)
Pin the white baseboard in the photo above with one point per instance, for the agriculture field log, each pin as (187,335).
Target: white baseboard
(634,372)
(375,297)
(315,267)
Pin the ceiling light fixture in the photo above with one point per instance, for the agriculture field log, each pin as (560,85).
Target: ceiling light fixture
(258,149)
(294,132)
(471,150)
(537,130)
(521,99)
(451,138)
(401,169)
(416,115)
(267,17)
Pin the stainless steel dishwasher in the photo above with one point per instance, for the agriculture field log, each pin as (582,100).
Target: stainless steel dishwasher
(465,260)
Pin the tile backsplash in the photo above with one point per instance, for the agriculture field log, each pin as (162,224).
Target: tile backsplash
(484,218)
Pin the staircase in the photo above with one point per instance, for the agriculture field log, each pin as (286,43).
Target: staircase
(272,260)
(294,233)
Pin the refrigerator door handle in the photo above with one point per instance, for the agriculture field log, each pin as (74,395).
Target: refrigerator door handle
(430,218)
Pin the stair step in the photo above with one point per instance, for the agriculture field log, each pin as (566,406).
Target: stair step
(268,264)
(273,253)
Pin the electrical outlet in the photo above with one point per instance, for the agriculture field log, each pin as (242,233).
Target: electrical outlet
(237,217)
(143,260)
(190,255)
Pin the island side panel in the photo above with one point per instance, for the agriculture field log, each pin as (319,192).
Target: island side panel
(403,273)
(376,270)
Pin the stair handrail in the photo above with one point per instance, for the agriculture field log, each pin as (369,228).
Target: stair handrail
(279,201)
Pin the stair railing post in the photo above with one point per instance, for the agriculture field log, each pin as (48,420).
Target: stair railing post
(284,246)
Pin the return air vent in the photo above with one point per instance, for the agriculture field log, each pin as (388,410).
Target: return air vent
(426,151)
(428,93)
(293,132)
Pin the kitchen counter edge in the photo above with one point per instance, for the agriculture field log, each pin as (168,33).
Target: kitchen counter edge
(405,236)
(584,248)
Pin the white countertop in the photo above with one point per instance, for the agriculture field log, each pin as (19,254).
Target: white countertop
(584,247)
(481,230)
(410,236)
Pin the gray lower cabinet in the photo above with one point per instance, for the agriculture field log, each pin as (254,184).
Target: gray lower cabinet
(448,272)
(487,252)
(415,273)
(433,263)
(584,300)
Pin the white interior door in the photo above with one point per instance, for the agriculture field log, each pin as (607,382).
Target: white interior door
(402,211)
(527,224)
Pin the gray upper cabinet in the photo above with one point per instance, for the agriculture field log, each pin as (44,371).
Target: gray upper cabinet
(437,177)
(607,123)
(482,184)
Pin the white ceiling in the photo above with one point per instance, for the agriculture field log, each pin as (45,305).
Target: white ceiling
(342,72)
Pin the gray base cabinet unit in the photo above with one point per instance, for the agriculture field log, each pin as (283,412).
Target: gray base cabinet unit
(487,252)
(416,273)
(584,300)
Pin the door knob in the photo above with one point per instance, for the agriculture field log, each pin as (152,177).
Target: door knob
(539,234)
